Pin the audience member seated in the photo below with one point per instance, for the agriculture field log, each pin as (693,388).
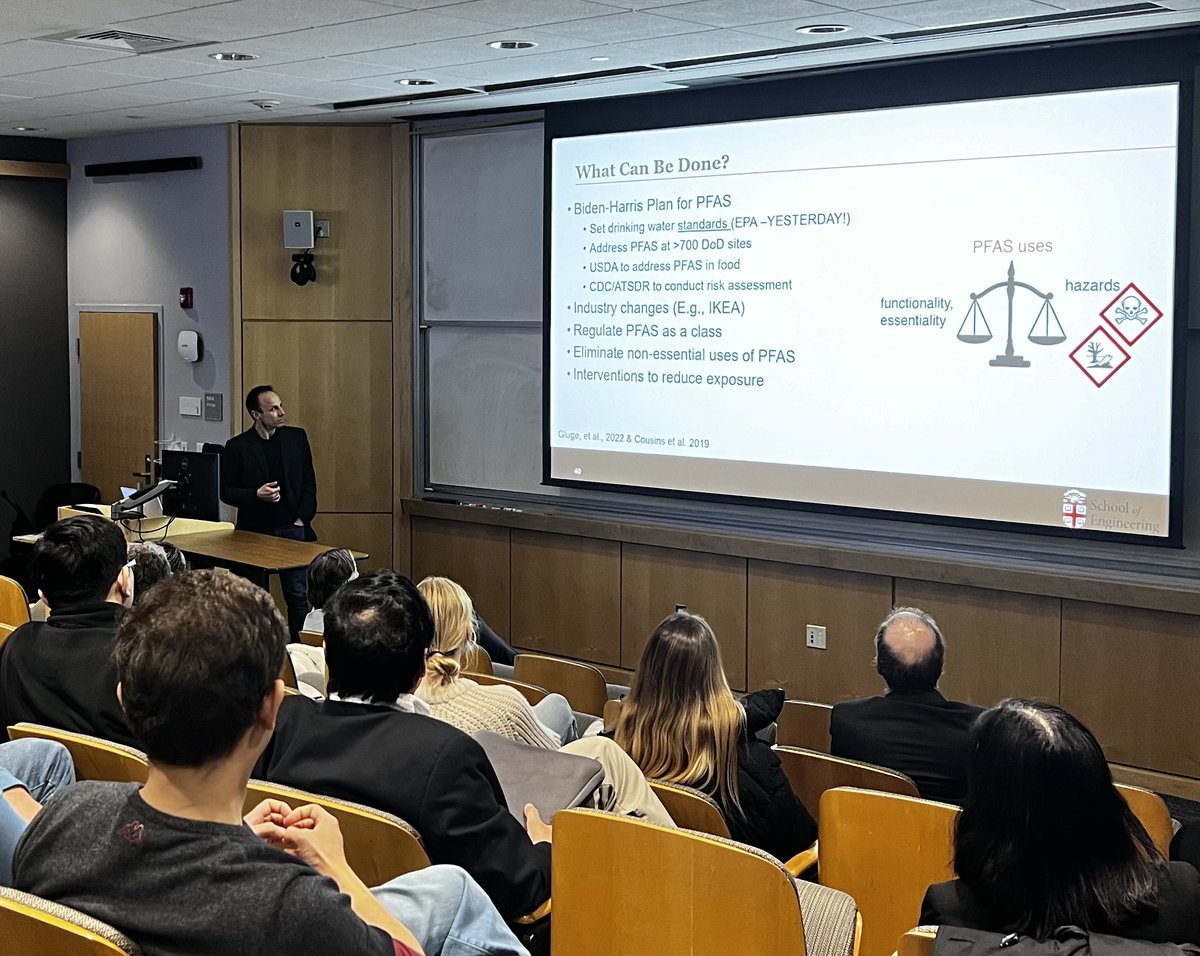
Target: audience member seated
(176,560)
(60,671)
(681,723)
(373,742)
(498,649)
(150,566)
(173,865)
(1045,840)
(31,771)
(327,572)
(912,728)
(470,706)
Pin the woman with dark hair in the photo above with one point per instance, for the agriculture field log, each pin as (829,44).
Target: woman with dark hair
(681,723)
(1045,840)
(327,572)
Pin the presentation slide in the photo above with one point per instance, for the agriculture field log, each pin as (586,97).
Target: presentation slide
(957,309)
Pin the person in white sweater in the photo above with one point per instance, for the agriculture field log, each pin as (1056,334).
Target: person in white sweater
(550,724)
(471,706)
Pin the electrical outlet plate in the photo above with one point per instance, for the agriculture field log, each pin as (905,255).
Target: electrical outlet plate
(814,636)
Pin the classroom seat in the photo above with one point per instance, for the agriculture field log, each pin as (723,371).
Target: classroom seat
(885,850)
(1153,813)
(478,661)
(804,723)
(94,758)
(32,926)
(581,684)
(690,808)
(531,693)
(612,710)
(812,773)
(621,885)
(917,941)
(312,638)
(379,846)
(14,605)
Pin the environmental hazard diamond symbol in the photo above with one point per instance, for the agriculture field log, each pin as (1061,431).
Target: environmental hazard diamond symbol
(1131,313)
(1099,356)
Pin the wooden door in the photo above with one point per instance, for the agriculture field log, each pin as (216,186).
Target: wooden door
(118,397)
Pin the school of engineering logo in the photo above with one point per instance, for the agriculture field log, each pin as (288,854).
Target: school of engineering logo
(1074,508)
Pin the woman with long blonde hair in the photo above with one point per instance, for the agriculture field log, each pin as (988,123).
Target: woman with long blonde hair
(681,723)
(468,705)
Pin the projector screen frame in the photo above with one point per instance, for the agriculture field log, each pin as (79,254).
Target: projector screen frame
(952,78)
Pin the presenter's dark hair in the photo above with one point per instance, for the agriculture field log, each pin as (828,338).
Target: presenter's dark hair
(1044,839)
(78,559)
(252,404)
(327,572)
(196,657)
(915,676)
(377,631)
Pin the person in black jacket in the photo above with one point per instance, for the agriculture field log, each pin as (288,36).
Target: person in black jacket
(1045,840)
(912,729)
(680,723)
(267,474)
(60,671)
(371,741)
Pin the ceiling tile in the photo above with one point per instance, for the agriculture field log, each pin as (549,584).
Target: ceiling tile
(528,13)
(949,13)
(25,56)
(620,27)
(33,18)
(550,65)
(860,24)
(461,50)
(692,46)
(739,13)
(242,18)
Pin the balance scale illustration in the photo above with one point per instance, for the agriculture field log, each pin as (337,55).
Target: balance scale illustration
(1045,316)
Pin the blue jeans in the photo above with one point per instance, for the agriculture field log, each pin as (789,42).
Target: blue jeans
(292,583)
(41,767)
(554,711)
(448,913)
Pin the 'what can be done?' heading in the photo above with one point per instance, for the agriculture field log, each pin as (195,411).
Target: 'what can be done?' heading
(659,167)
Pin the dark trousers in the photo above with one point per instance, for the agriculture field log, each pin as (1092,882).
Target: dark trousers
(292,584)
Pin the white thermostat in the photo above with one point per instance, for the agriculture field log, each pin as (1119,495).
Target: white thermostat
(190,346)
(297,229)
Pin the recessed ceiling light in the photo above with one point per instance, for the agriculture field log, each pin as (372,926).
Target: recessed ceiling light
(30,129)
(232,57)
(512,44)
(265,104)
(601,59)
(416,81)
(820,29)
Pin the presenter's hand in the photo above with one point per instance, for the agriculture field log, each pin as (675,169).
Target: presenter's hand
(538,829)
(267,820)
(269,492)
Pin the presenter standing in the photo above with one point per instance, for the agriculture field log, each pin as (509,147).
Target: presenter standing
(267,473)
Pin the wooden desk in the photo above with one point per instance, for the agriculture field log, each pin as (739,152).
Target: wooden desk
(255,556)
(154,529)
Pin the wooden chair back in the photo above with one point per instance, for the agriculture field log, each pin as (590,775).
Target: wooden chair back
(885,850)
(582,684)
(804,723)
(32,926)
(94,759)
(917,942)
(5,632)
(477,661)
(612,710)
(621,885)
(14,605)
(811,773)
(531,693)
(690,808)
(1153,813)
(379,846)
(287,673)
(312,638)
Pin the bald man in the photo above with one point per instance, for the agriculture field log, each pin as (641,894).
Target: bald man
(912,728)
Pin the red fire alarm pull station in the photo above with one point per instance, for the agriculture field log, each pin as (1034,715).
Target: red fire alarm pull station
(185,297)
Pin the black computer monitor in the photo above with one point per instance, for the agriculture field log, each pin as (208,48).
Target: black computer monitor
(197,484)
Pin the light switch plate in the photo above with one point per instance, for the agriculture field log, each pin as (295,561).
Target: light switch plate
(189,406)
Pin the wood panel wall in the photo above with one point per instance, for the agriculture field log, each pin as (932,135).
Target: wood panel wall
(1128,673)
(328,346)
